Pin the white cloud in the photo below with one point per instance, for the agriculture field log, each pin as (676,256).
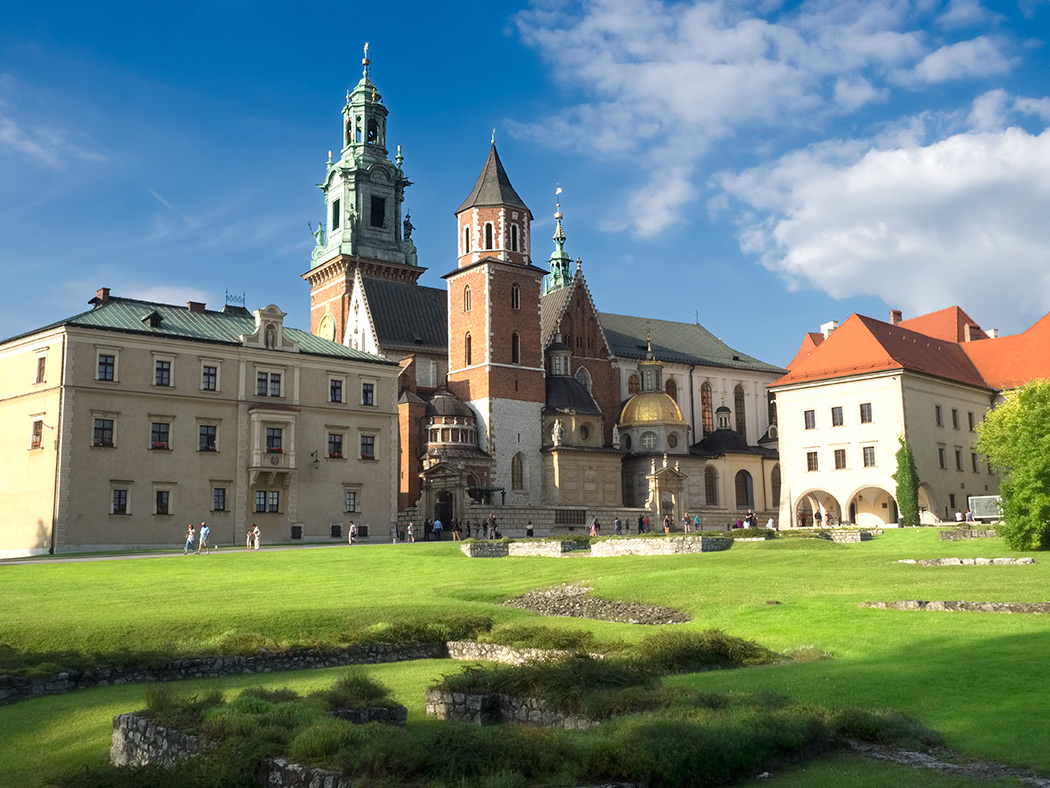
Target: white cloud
(965,13)
(658,81)
(164,294)
(959,221)
(24,135)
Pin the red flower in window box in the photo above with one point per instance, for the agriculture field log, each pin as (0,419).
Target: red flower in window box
(103,443)
(273,450)
(160,445)
(335,455)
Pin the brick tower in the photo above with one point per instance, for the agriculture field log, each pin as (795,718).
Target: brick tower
(362,228)
(494,347)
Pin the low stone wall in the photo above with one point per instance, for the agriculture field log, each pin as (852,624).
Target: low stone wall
(660,545)
(483,549)
(851,536)
(16,688)
(959,534)
(497,709)
(471,651)
(967,561)
(959,606)
(548,549)
(397,716)
(137,741)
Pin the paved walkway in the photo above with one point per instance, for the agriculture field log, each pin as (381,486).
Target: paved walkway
(86,557)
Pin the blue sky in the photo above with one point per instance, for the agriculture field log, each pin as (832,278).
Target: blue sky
(764,166)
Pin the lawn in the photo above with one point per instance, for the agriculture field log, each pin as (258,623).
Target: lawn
(975,677)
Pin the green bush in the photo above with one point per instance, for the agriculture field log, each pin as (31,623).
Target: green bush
(355,690)
(539,636)
(686,651)
(319,744)
(882,727)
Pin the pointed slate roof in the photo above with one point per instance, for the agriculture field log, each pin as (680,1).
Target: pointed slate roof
(682,343)
(493,187)
(408,316)
(864,344)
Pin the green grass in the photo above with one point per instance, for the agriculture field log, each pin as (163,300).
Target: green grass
(979,679)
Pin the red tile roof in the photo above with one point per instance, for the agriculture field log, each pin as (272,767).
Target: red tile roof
(863,344)
(1008,362)
(809,344)
(948,324)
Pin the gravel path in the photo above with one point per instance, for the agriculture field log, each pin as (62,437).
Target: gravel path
(573,601)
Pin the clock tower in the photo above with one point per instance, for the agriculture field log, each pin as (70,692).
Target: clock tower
(362,228)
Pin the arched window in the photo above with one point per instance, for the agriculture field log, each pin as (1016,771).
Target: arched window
(517,472)
(514,237)
(466,298)
(515,348)
(711,486)
(706,410)
(373,131)
(515,297)
(466,240)
(584,377)
(672,389)
(488,235)
(738,407)
(745,496)
(774,483)
(633,385)
(466,351)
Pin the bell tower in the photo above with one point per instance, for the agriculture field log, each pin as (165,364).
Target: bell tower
(495,353)
(362,226)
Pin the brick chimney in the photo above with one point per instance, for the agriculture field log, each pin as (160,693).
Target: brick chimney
(895,317)
(195,306)
(101,297)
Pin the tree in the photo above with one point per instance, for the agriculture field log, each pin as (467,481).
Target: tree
(907,478)
(1015,437)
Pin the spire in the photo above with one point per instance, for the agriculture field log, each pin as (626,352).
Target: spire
(493,187)
(365,62)
(559,260)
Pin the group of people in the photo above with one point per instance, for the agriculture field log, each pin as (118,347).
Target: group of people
(486,529)
(194,544)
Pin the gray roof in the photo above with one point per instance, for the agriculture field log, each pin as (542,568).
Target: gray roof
(568,395)
(551,307)
(493,187)
(224,327)
(408,316)
(683,343)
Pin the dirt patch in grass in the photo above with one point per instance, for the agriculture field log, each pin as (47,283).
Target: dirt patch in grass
(573,601)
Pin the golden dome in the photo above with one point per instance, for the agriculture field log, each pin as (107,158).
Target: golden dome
(650,407)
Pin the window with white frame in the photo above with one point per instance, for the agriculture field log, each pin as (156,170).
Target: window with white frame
(865,413)
(160,435)
(267,501)
(218,498)
(274,440)
(368,392)
(268,384)
(836,417)
(350,500)
(335,445)
(36,437)
(207,437)
(104,427)
(210,376)
(811,461)
(810,417)
(41,368)
(107,365)
(869,456)
(119,498)
(488,235)
(368,447)
(162,368)
(335,389)
(840,459)
(162,500)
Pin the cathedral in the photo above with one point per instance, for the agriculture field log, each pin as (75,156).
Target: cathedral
(516,396)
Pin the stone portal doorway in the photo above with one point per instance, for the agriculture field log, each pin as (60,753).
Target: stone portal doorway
(443,507)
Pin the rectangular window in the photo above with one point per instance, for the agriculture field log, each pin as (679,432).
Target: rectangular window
(274,437)
(970,421)
(335,445)
(368,394)
(335,390)
(811,419)
(159,434)
(208,437)
(163,502)
(218,499)
(958,460)
(37,439)
(209,378)
(938,416)
(107,367)
(973,461)
(275,384)
(335,215)
(41,368)
(351,501)
(811,461)
(378,214)
(840,459)
(368,447)
(836,417)
(120,501)
(942,457)
(869,456)
(103,432)
(260,501)
(865,413)
(955,418)
(951,500)
(162,373)
(273,501)
(261,384)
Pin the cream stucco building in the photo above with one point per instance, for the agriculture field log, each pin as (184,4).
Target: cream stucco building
(130,421)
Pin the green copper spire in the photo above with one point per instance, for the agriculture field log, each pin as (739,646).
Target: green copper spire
(559,261)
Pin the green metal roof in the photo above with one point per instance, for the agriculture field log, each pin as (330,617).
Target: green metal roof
(224,327)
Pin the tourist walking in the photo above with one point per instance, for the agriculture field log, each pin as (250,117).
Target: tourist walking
(667,523)
(438,527)
(528,529)
(411,532)
(190,534)
(685,523)
(204,540)
(641,523)
(618,526)
(351,533)
(255,537)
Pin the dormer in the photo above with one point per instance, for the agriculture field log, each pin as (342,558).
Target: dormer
(269,331)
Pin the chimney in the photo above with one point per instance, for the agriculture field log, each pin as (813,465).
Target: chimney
(895,317)
(101,297)
(828,327)
(195,306)
(993,333)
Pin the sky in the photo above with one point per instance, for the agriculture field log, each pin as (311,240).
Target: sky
(760,167)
